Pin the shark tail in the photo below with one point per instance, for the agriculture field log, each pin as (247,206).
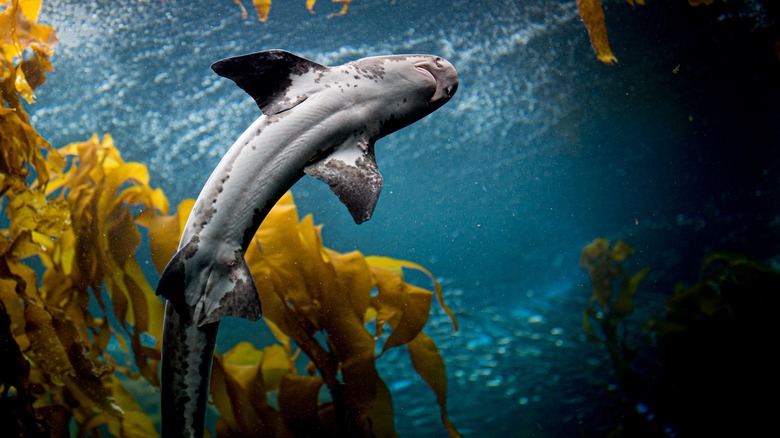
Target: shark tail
(200,288)
(186,367)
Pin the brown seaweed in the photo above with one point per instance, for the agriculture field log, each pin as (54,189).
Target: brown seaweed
(712,346)
(74,214)
(592,15)
(612,300)
(263,8)
(81,230)
(319,302)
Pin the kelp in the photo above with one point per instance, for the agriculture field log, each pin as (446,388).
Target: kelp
(263,8)
(716,346)
(100,189)
(72,289)
(612,300)
(321,302)
(23,37)
(25,48)
(604,265)
(82,231)
(713,346)
(592,15)
(343,11)
(731,288)
(17,415)
(68,209)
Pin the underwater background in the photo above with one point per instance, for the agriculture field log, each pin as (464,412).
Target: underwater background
(673,150)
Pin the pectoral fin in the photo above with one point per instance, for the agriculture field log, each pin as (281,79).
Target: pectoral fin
(351,172)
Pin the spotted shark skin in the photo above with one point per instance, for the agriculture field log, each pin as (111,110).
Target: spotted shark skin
(317,120)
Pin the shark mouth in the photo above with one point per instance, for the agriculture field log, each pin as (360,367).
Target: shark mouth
(442,92)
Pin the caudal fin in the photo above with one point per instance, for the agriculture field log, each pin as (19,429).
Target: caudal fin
(209,290)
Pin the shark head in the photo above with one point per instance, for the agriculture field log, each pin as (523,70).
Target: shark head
(445,76)
(421,83)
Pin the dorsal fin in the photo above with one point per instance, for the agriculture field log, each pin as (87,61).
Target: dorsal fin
(266,76)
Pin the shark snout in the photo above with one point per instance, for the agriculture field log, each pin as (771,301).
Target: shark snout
(445,75)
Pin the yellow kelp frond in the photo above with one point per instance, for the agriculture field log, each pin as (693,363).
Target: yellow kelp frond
(28,8)
(45,347)
(36,223)
(81,230)
(16,395)
(135,423)
(397,266)
(306,289)
(100,187)
(309,294)
(428,363)
(18,32)
(604,265)
(262,7)
(240,381)
(592,14)
(88,385)
(401,306)
(244,14)
(299,404)
(344,7)
(612,301)
(63,367)
(165,232)
(25,47)
(22,146)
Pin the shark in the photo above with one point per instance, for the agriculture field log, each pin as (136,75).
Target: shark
(316,120)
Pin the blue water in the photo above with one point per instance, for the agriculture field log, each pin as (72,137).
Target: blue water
(542,149)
